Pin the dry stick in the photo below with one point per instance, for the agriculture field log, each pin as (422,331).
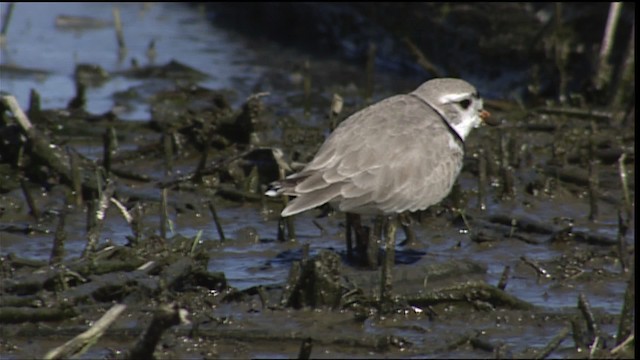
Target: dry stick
(84,341)
(604,72)
(631,338)
(99,216)
(76,181)
(626,79)
(27,195)
(5,22)
(163,214)
(305,349)
(55,158)
(502,284)
(554,343)
(122,48)
(57,251)
(482,179)
(214,213)
(627,317)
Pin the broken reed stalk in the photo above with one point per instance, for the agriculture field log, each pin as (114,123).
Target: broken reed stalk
(84,341)
(122,48)
(6,19)
(482,179)
(216,219)
(99,216)
(386,272)
(305,349)
(57,250)
(30,202)
(502,284)
(626,80)
(163,214)
(627,317)
(604,71)
(76,181)
(370,72)
(167,145)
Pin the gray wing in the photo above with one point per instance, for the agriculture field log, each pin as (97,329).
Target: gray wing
(393,156)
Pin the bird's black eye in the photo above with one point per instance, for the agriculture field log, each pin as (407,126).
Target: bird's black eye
(465,103)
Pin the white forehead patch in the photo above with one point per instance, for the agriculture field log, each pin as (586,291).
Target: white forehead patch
(455,97)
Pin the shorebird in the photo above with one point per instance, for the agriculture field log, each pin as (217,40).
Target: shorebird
(401,154)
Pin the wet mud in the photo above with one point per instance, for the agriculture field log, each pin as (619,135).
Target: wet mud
(160,243)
